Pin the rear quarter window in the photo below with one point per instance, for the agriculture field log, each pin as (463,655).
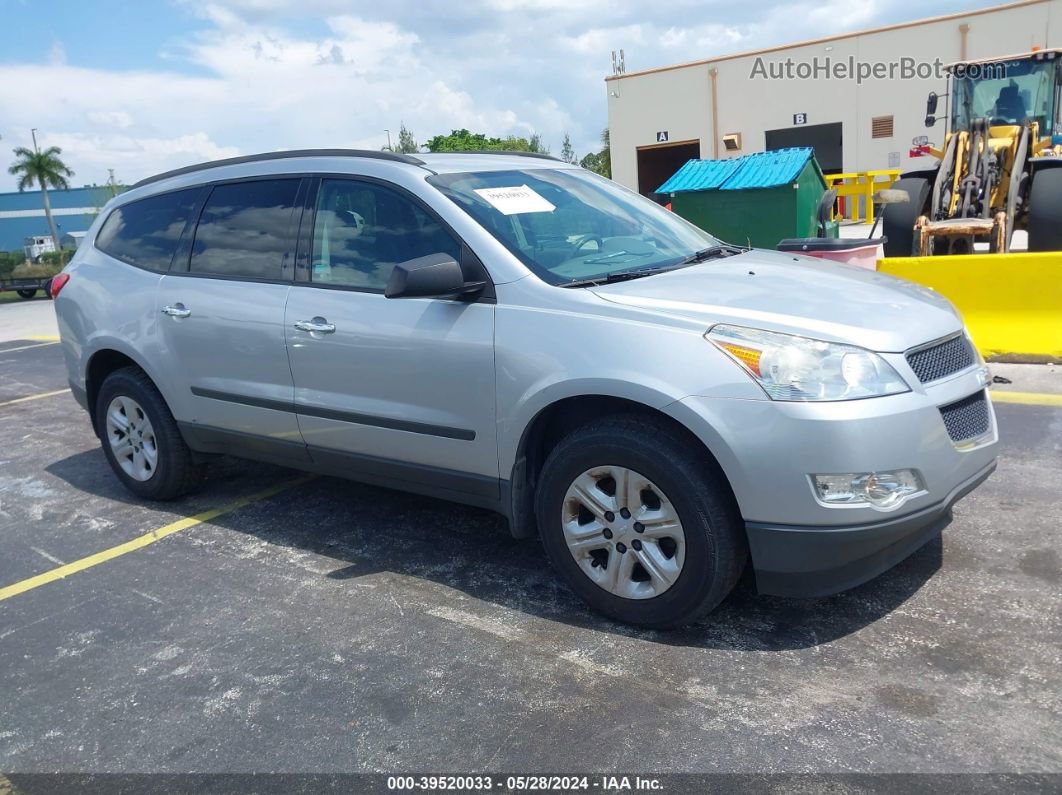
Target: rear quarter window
(145,233)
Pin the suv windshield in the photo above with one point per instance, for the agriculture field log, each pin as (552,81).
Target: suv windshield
(570,225)
(1008,92)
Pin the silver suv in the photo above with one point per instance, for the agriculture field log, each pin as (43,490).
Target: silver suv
(516,333)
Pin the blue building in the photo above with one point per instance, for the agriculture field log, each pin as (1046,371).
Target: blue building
(22,214)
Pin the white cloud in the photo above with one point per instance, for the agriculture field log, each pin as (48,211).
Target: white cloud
(110,118)
(281,74)
(125,153)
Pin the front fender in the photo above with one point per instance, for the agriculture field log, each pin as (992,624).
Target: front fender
(516,422)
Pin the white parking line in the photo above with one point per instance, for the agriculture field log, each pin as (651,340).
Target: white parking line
(33,397)
(27,347)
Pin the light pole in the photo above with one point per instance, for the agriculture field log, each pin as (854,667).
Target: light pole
(389,149)
(33,133)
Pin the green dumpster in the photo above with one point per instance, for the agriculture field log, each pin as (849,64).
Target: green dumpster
(756,199)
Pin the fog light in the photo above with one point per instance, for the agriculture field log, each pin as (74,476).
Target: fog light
(879,489)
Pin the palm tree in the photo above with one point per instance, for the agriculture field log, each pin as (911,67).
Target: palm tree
(45,169)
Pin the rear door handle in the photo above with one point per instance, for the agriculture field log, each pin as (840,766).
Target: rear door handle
(177,310)
(318,325)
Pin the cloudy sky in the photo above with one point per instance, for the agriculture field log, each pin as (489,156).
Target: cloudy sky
(142,86)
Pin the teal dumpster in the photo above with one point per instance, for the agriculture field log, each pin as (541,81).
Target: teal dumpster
(757,199)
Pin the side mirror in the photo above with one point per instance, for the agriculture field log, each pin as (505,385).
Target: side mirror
(825,210)
(432,276)
(931,104)
(931,108)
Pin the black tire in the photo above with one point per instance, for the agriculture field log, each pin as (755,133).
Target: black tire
(1044,222)
(715,546)
(26,294)
(175,473)
(897,220)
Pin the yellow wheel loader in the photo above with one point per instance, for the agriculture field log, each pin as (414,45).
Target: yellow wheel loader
(999,169)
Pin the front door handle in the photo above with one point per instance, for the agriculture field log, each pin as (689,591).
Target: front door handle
(177,310)
(316,326)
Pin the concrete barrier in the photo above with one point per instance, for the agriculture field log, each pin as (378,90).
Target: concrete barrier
(1012,303)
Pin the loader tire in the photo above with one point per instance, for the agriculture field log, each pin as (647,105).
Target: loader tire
(898,220)
(1045,211)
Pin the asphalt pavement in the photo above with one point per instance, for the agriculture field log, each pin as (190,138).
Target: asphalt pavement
(276,623)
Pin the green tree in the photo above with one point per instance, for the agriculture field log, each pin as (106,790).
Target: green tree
(462,141)
(407,144)
(535,144)
(600,162)
(465,141)
(48,171)
(567,152)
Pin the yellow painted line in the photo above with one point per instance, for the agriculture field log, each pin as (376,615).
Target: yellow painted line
(28,347)
(34,397)
(46,338)
(1026,398)
(144,540)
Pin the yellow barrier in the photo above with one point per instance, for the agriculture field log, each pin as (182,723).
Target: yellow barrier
(1012,303)
(853,185)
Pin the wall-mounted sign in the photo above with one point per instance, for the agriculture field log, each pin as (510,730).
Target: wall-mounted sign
(661,137)
(800,118)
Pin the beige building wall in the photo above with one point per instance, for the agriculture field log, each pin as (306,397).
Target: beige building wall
(678,99)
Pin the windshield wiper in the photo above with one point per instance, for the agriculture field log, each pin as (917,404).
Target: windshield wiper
(618,276)
(713,252)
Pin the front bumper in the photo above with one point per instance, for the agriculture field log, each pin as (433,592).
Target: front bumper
(794,560)
(769,449)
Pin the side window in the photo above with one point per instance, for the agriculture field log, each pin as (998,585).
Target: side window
(244,229)
(361,230)
(145,233)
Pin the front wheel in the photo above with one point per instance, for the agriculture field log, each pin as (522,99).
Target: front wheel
(638,523)
(26,294)
(140,437)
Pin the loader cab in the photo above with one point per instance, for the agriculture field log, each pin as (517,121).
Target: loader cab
(1008,92)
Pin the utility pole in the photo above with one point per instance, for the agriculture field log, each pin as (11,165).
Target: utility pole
(33,132)
(389,149)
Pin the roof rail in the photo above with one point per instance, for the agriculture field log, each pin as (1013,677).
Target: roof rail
(233,161)
(511,153)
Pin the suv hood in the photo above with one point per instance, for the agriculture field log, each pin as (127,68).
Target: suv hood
(797,295)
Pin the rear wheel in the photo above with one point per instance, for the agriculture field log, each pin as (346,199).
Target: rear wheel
(140,437)
(1044,223)
(639,525)
(898,220)
(27,294)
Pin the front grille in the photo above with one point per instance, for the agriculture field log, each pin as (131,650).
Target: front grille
(966,419)
(938,361)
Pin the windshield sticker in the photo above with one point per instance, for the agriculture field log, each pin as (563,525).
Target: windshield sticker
(515,200)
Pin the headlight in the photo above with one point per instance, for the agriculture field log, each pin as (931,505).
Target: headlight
(797,368)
